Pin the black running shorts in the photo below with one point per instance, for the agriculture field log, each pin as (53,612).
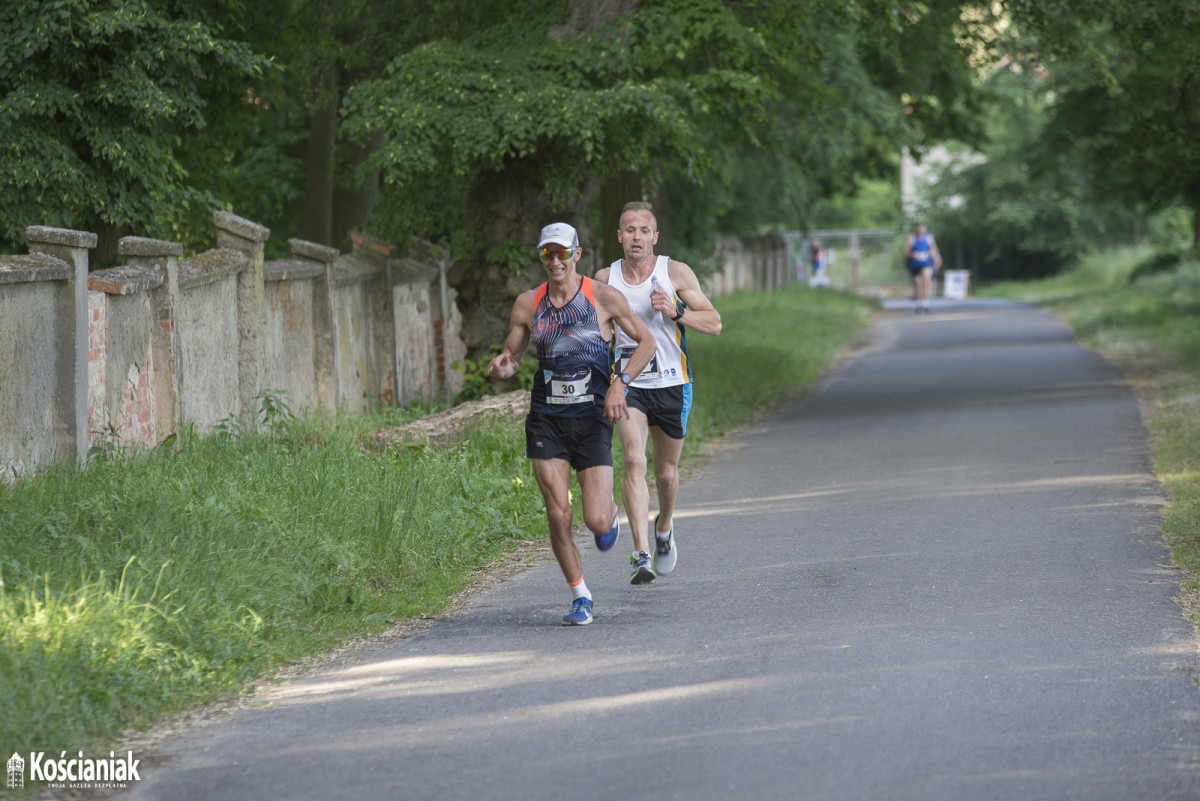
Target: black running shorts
(582,441)
(667,408)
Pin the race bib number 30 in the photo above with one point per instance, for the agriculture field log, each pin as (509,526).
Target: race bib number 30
(569,388)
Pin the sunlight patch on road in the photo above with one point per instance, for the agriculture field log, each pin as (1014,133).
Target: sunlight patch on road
(1045,484)
(791,502)
(443,674)
(511,714)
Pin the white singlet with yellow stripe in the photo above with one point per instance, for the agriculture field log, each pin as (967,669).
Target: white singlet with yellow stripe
(669,367)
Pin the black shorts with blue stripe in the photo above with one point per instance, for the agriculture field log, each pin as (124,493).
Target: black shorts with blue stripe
(666,408)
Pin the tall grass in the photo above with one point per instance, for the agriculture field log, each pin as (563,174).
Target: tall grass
(153,581)
(149,582)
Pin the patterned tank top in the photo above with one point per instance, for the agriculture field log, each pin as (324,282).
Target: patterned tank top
(574,361)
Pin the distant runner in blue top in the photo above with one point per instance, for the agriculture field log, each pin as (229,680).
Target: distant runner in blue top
(922,258)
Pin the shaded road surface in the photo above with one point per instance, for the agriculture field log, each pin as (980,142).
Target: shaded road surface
(939,576)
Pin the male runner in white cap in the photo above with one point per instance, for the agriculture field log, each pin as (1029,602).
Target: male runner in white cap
(576,396)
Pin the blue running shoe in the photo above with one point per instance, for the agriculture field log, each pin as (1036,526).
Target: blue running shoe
(580,614)
(665,552)
(609,538)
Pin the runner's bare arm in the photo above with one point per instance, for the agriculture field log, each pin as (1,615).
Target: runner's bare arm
(615,308)
(700,314)
(506,362)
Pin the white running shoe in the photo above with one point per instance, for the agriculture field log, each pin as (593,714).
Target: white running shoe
(665,551)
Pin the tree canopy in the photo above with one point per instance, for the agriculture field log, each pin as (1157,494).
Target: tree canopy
(1090,121)
(144,114)
(647,88)
(1126,76)
(806,95)
(999,209)
(738,115)
(743,113)
(97,97)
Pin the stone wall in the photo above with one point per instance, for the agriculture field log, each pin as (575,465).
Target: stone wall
(127,355)
(750,263)
(130,354)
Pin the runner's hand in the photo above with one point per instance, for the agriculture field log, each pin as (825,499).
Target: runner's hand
(661,302)
(502,366)
(614,402)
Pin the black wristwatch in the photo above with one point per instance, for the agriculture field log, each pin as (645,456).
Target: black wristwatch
(626,379)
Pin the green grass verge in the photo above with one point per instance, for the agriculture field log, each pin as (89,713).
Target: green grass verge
(152,582)
(148,583)
(1144,321)
(771,344)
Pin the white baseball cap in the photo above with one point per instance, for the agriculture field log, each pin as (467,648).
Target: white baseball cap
(559,234)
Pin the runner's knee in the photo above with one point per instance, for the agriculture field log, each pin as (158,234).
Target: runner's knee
(597,523)
(635,463)
(558,516)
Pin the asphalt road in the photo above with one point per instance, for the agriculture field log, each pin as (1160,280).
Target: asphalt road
(937,576)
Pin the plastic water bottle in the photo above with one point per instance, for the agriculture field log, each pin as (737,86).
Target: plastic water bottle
(658,318)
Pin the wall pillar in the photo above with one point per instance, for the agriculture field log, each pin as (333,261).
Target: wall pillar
(162,258)
(243,236)
(326,355)
(780,261)
(440,312)
(383,352)
(71,372)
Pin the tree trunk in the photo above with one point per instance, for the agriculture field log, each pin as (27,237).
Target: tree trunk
(506,207)
(318,198)
(511,205)
(352,201)
(108,238)
(662,214)
(588,14)
(618,190)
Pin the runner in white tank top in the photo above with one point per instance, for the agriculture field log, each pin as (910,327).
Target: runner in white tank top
(658,406)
